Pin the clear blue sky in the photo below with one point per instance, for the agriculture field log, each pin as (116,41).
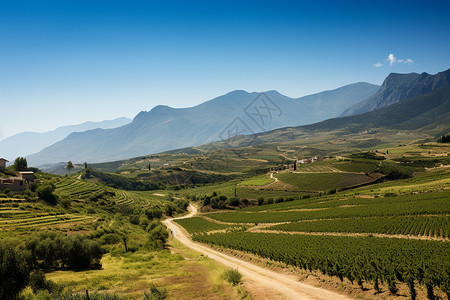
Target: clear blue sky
(66,62)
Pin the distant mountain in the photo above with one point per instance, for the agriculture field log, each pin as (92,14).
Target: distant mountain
(26,143)
(165,128)
(429,112)
(397,87)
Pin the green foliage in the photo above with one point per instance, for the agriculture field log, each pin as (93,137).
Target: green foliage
(75,252)
(69,166)
(155,293)
(367,155)
(323,181)
(367,258)
(198,224)
(158,235)
(20,164)
(14,272)
(395,171)
(414,204)
(38,282)
(233,276)
(45,192)
(233,201)
(126,183)
(444,139)
(404,225)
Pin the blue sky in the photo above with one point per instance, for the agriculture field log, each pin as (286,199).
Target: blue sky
(66,62)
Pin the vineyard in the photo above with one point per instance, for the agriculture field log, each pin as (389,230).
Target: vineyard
(324,181)
(19,216)
(415,204)
(431,226)
(83,189)
(371,260)
(199,224)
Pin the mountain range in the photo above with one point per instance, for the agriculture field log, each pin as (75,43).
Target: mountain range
(397,87)
(429,112)
(165,128)
(26,143)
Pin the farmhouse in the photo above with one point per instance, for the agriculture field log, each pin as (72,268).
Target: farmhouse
(3,164)
(14,184)
(27,175)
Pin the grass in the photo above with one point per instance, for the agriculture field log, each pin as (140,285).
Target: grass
(132,274)
(323,181)
(257,181)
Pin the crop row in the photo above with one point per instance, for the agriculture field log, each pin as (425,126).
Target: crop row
(198,224)
(416,204)
(362,258)
(41,220)
(434,226)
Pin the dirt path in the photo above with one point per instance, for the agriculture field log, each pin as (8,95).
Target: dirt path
(284,285)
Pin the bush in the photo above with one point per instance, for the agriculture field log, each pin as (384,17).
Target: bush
(279,200)
(270,201)
(45,192)
(260,200)
(38,282)
(155,293)
(233,276)
(14,273)
(57,250)
(233,201)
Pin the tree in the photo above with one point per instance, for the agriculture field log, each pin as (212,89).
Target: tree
(20,164)
(85,165)
(14,273)
(45,192)
(149,167)
(69,166)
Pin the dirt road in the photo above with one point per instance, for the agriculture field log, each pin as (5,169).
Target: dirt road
(284,285)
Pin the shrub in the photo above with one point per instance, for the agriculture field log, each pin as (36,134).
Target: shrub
(233,276)
(279,200)
(155,293)
(260,200)
(233,201)
(14,273)
(45,192)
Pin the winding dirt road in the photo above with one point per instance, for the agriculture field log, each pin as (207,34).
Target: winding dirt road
(285,285)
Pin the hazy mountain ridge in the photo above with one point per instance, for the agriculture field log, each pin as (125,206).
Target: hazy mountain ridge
(26,143)
(430,112)
(397,87)
(164,128)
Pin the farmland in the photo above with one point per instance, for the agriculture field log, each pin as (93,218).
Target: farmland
(338,233)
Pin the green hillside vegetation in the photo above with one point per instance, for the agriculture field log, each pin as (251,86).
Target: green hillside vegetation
(373,210)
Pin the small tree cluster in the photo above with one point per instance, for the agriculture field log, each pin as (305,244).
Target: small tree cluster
(444,139)
(56,250)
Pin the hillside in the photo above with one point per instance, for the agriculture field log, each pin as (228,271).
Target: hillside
(428,113)
(397,87)
(26,143)
(165,128)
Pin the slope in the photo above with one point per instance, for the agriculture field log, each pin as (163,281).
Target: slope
(26,143)
(397,87)
(165,128)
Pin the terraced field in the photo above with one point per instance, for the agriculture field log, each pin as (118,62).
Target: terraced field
(12,217)
(82,189)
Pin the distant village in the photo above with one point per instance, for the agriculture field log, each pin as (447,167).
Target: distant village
(21,182)
(300,162)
